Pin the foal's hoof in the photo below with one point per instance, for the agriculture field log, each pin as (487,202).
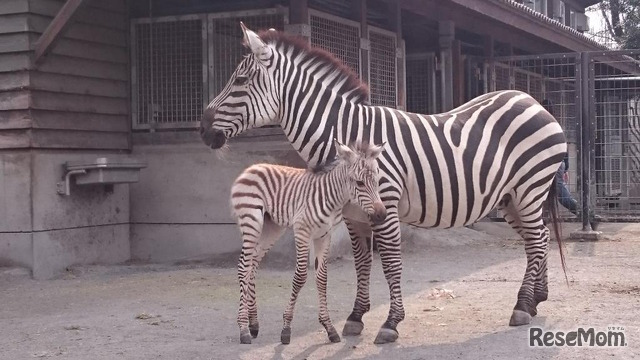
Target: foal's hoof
(334,337)
(519,317)
(245,337)
(254,330)
(285,336)
(386,336)
(352,328)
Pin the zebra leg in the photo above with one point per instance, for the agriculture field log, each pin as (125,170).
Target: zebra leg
(528,224)
(321,248)
(250,226)
(360,234)
(271,232)
(299,278)
(540,288)
(388,238)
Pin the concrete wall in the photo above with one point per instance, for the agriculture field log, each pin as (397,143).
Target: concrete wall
(180,208)
(47,232)
(15,209)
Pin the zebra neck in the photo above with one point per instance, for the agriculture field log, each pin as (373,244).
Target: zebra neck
(312,135)
(336,182)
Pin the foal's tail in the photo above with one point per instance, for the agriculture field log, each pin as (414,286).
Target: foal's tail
(551,205)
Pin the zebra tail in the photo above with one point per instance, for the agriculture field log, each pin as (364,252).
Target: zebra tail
(554,219)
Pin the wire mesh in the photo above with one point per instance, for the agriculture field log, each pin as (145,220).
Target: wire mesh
(382,69)
(616,86)
(551,81)
(226,37)
(169,79)
(421,84)
(339,36)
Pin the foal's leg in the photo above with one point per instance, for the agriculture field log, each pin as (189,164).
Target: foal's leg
(321,248)
(271,232)
(360,234)
(250,223)
(302,237)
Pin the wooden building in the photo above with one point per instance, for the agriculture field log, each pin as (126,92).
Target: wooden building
(128,79)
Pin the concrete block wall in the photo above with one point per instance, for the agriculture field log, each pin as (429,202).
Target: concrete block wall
(47,232)
(180,208)
(16,247)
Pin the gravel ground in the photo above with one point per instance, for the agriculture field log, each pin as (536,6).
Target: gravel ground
(188,311)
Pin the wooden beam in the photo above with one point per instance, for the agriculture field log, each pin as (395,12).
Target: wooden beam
(503,21)
(457,74)
(298,11)
(56,28)
(359,13)
(395,11)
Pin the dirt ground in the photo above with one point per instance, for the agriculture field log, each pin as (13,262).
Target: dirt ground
(189,311)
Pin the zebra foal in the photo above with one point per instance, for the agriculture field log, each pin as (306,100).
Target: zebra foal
(268,198)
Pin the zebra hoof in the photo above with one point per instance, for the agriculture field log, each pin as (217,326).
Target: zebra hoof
(352,328)
(254,330)
(334,337)
(386,336)
(285,336)
(519,318)
(245,337)
(533,311)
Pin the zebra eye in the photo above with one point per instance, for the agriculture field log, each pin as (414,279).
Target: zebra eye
(241,80)
(360,183)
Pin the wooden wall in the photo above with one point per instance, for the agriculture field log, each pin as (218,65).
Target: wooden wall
(77,97)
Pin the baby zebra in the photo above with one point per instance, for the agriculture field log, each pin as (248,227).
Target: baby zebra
(268,198)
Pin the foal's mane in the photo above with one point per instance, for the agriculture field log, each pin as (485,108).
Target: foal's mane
(363,149)
(301,46)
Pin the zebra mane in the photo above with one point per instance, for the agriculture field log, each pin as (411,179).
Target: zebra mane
(361,148)
(360,89)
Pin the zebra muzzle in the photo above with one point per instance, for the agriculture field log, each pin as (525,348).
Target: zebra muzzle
(379,213)
(213,138)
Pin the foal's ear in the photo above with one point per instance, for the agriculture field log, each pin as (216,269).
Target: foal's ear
(345,153)
(375,150)
(251,40)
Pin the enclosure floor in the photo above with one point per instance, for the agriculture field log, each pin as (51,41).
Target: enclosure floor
(189,311)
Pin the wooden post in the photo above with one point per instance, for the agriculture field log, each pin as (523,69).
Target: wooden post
(299,19)
(446,30)
(488,50)
(56,29)
(457,74)
(396,17)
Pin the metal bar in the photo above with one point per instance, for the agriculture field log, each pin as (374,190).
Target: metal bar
(585,136)
(534,57)
(56,28)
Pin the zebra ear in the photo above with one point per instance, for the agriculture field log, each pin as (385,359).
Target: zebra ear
(255,43)
(376,150)
(344,152)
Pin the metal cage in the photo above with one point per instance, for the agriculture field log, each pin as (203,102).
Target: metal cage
(339,36)
(168,87)
(180,62)
(383,67)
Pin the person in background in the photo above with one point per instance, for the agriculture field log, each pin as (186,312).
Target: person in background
(562,177)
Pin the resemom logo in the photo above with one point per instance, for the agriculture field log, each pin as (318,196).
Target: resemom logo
(612,336)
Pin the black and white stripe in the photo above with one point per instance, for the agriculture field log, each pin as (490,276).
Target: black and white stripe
(501,150)
(268,198)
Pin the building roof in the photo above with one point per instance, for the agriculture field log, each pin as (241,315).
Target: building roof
(562,27)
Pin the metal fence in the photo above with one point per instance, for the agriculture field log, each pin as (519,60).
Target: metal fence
(180,62)
(167,73)
(596,98)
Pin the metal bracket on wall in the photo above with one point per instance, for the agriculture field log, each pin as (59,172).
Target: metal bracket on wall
(100,171)
(365,44)
(64,187)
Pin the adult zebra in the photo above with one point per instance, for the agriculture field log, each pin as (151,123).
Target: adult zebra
(501,149)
